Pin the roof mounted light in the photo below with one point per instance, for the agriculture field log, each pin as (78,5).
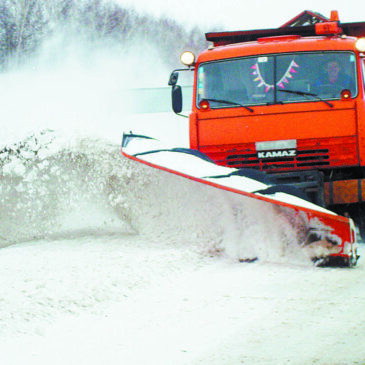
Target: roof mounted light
(188,58)
(334,16)
(330,27)
(360,44)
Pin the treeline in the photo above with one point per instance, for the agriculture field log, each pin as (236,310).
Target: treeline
(26,24)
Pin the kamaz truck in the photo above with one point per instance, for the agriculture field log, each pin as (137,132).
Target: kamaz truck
(289,101)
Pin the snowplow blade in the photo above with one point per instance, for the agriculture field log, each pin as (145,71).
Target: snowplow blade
(329,239)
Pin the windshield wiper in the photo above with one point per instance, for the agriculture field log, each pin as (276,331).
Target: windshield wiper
(304,93)
(229,103)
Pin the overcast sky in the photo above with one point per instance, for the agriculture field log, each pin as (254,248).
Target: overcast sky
(245,14)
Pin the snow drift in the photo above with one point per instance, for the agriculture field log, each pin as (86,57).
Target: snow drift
(52,186)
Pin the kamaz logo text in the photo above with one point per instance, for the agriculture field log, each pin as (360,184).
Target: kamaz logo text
(273,154)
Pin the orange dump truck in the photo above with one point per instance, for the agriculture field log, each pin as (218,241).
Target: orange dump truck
(289,101)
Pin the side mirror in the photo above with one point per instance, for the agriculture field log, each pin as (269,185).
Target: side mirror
(176,98)
(173,78)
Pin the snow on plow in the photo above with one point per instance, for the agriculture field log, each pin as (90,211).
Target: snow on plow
(327,238)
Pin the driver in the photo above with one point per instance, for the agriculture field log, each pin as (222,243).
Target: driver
(334,79)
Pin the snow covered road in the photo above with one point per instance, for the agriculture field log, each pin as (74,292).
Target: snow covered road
(122,299)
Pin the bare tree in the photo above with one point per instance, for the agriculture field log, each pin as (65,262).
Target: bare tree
(25,24)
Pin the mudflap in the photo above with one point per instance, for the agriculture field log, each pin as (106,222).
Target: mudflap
(327,239)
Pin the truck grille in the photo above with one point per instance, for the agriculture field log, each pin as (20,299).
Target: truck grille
(306,158)
(310,154)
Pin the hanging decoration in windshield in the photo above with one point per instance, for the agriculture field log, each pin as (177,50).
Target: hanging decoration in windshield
(288,74)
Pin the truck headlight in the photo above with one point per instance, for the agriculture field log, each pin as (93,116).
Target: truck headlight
(187,58)
(360,44)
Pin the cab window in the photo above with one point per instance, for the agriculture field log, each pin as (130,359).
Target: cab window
(273,79)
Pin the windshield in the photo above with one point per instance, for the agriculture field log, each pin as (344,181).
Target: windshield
(272,79)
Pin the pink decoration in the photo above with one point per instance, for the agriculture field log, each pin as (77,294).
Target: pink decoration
(285,79)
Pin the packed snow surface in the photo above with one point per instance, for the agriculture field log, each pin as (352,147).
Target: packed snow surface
(118,298)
